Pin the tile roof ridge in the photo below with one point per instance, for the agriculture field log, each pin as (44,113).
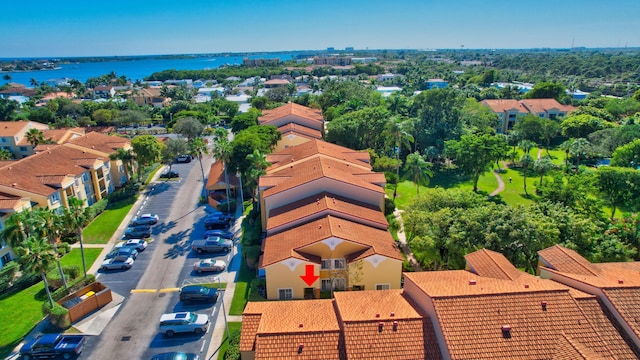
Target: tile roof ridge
(568,253)
(501,293)
(490,254)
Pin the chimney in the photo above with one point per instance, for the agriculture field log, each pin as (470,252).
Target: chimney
(526,286)
(620,281)
(392,314)
(544,305)
(377,315)
(395,326)
(380,325)
(300,347)
(472,282)
(506,331)
(300,325)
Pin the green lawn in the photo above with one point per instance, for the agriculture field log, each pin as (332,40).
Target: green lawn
(74,257)
(102,227)
(241,293)
(234,327)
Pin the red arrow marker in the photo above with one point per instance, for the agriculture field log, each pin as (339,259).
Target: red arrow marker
(308,276)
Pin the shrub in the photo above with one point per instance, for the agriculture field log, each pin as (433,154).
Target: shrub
(9,270)
(389,206)
(58,315)
(97,208)
(23,282)
(233,350)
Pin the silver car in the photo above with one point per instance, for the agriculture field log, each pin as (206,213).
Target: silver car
(118,262)
(173,323)
(209,265)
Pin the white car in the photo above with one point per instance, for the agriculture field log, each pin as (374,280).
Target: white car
(138,244)
(145,219)
(118,262)
(184,322)
(209,265)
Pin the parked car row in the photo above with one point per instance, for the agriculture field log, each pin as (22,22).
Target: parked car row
(140,226)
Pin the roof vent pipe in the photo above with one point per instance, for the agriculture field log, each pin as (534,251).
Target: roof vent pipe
(544,305)
(472,282)
(506,331)
(395,326)
(300,347)
(380,325)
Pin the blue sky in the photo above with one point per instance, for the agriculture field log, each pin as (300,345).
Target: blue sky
(134,27)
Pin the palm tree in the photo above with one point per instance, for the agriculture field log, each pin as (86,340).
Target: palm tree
(543,165)
(526,145)
(48,224)
(15,231)
(34,82)
(127,157)
(566,146)
(579,148)
(34,137)
(400,136)
(258,166)
(418,170)
(5,154)
(222,151)
(36,257)
(198,148)
(513,138)
(76,217)
(526,161)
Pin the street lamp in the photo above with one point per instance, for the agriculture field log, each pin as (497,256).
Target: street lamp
(224,312)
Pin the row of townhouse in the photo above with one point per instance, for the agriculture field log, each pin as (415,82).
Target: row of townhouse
(573,310)
(80,167)
(322,214)
(508,110)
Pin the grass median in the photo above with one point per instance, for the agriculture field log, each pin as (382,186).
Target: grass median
(102,227)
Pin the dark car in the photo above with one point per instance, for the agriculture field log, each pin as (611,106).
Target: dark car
(225,234)
(137,232)
(175,356)
(217,221)
(196,293)
(183,159)
(170,175)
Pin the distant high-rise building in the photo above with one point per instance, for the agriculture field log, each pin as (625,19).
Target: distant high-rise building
(349,48)
(331,49)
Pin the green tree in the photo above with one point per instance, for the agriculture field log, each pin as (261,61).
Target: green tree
(581,126)
(188,127)
(360,129)
(627,155)
(543,165)
(147,150)
(580,148)
(173,147)
(48,224)
(418,170)
(126,157)
(34,137)
(222,152)
(8,108)
(620,186)
(526,146)
(5,154)
(438,114)
(526,161)
(36,256)
(259,164)
(76,217)
(198,148)
(478,118)
(244,120)
(474,154)
(545,90)
(399,136)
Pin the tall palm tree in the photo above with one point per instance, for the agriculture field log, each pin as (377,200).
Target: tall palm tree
(15,231)
(526,146)
(418,170)
(258,166)
(34,137)
(566,146)
(222,152)
(76,217)
(543,165)
(526,161)
(198,147)
(36,257)
(48,224)
(127,157)
(400,135)
(579,148)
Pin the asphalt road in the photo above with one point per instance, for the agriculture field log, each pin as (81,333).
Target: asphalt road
(150,286)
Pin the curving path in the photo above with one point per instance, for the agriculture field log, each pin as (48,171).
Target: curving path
(404,246)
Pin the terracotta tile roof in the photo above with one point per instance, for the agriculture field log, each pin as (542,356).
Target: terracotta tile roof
(542,105)
(316,345)
(101,142)
(374,306)
(324,203)
(487,263)
(300,130)
(12,128)
(627,303)
(314,148)
(608,328)
(291,109)
(502,105)
(248,331)
(534,330)
(216,180)
(8,201)
(566,349)
(59,136)
(292,242)
(566,261)
(33,173)
(465,283)
(318,168)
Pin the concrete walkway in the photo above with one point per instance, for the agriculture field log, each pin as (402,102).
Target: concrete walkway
(500,184)
(404,246)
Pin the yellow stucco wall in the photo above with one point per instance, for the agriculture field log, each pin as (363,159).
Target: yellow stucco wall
(288,141)
(387,271)
(280,276)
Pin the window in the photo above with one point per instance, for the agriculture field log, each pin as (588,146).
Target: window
(54,198)
(23,148)
(108,177)
(5,259)
(333,284)
(325,285)
(106,165)
(339,284)
(333,264)
(85,176)
(285,294)
(3,139)
(383,286)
